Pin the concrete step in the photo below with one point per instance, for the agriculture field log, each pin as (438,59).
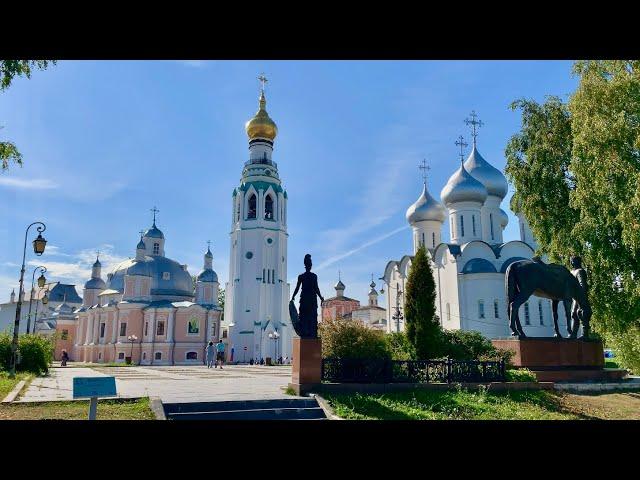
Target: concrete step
(254,414)
(240,405)
(274,409)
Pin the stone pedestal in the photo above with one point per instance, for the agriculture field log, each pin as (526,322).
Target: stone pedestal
(307,364)
(554,360)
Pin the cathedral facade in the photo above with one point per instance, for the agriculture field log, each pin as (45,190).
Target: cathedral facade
(257,293)
(469,269)
(150,311)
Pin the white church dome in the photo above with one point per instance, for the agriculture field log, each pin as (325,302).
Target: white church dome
(462,187)
(492,178)
(504,218)
(425,208)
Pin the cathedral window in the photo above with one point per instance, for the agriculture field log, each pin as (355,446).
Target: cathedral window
(156,248)
(213,330)
(433,239)
(192,355)
(264,275)
(527,318)
(461,226)
(480,308)
(448,313)
(473,224)
(146,328)
(238,212)
(491,224)
(452,234)
(268,208)
(423,242)
(252,206)
(160,329)
(540,313)
(158,356)
(102,325)
(166,275)
(121,356)
(273,276)
(496,309)
(144,355)
(123,329)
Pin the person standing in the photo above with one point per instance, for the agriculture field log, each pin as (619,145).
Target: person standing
(219,354)
(65,358)
(211,351)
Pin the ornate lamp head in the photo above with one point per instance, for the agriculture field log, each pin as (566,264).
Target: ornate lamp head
(39,244)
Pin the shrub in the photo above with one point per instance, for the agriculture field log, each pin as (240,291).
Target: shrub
(520,375)
(36,352)
(470,345)
(399,346)
(351,339)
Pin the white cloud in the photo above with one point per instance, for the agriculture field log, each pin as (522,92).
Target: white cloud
(32,184)
(78,269)
(332,260)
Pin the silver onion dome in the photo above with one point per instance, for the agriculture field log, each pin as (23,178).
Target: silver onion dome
(504,218)
(492,178)
(462,187)
(425,208)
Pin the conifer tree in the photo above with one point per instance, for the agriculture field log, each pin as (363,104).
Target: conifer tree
(421,324)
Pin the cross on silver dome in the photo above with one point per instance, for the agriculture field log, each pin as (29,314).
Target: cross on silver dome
(424,167)
(462,144)
(475,124)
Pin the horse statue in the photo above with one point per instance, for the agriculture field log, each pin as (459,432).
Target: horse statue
(524,278)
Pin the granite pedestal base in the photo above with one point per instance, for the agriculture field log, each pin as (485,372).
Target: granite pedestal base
(557,359)
(306,373)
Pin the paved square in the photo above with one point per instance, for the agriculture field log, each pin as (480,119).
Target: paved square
(172,383)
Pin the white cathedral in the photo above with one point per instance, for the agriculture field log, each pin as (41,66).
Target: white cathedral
(257,293)
(468,269)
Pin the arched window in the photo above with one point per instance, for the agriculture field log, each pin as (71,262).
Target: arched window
(156,248)
(496,309)
(192,355)
(158,356)
(252,206)
(473,224)
(480,308)
(423,243)
(433,239)
(461,226)
(540,312)
(238,212)
(448,313)
(268,208)
(527,318)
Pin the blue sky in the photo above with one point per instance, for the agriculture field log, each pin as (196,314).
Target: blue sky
(104,141)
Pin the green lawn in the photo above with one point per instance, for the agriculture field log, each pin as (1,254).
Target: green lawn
(78,410)
(448,405)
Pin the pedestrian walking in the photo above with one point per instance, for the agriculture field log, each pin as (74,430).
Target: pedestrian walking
(211,355)
(219,354)
(65,358)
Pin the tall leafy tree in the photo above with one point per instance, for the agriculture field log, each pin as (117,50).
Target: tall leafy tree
(421,324)
(576,169)
(9,69)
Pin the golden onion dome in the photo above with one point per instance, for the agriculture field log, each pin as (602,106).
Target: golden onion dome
(261,125)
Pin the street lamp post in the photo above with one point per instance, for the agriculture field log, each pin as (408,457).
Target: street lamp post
(38,248)
(41,281)
(132,339)
(398,315)
(274,336)
(45,300)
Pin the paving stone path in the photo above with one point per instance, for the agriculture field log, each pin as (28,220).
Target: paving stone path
(172,383)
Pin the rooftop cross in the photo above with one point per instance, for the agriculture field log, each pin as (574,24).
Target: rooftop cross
(424,167)
(461,143)
(97,255)
(263,80)
(141,233)
(208,244)
(475,124)
(154,210)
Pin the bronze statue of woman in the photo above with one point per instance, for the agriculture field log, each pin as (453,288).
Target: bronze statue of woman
(305,323)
